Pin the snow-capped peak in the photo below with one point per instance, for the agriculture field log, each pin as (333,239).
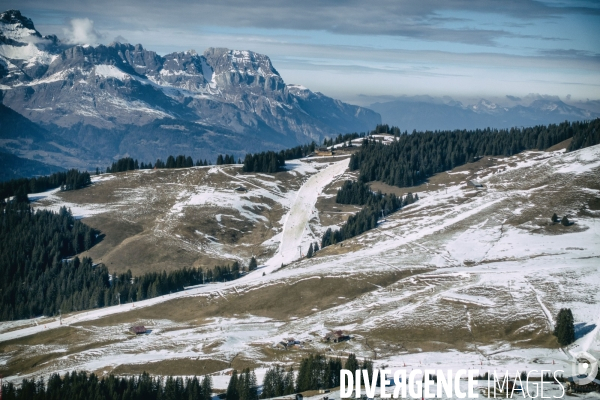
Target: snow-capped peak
(14,26)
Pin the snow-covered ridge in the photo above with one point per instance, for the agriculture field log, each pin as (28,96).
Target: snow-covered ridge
(17,27)
(110,71)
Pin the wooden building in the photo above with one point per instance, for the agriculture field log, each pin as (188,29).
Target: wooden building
(336,337)
(323,151)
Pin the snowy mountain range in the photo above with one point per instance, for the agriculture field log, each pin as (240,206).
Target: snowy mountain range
(428,113)
(94,104)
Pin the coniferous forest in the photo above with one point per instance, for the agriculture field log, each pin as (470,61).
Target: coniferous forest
(70,180)
(130,164)
(81,386)
(37,278)
(375,205)
(413,158)
(316,372)
(267,162)
(242,386)
(271,161)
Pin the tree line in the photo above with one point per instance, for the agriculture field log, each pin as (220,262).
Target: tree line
(375,205)
(81,386)
(271,161)
(342,138)
(130,164)
(267,161)
(315,372)
(586,136)
(242,386)
(20,188)
(227,159)
(411,159)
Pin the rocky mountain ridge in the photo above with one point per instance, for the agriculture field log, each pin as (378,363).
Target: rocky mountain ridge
(123,99)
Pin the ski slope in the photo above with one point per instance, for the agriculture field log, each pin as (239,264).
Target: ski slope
(293,235)
(301,212)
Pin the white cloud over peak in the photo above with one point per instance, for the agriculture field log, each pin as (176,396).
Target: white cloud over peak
(82,32)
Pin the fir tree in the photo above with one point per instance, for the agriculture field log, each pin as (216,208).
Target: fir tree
(206,388)
(565,327)
(351,363)
(253,264)
(232,387)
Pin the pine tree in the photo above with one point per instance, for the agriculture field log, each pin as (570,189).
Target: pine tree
(170,162)
(310,251)
(232,388)
(206,388)
(253,264)
(351,363)
(565,327)
(555,218)
(565,221)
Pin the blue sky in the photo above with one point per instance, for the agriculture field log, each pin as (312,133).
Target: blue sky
(365,51)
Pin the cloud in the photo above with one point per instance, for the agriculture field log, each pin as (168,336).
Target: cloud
(513,98)
(431,20)
(120,39)
(82,32)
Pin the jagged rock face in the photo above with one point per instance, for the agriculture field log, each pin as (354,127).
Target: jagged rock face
(24,53)
(74,89)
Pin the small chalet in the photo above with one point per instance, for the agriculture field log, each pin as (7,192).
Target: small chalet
(138,330)
(323,151)
(475,184)
(289,342)
(336,337)
(240,189)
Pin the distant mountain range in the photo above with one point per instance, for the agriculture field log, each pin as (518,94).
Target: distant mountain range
(83,106)
(428,113)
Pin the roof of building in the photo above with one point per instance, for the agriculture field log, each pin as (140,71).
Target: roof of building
(138,329)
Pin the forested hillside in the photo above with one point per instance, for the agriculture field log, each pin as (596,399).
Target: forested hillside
(375,205)
(413,158)
(36,279)
(69,180)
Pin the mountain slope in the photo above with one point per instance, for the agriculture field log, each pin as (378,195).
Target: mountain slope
(462,278)
(122,99)
(12,167)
